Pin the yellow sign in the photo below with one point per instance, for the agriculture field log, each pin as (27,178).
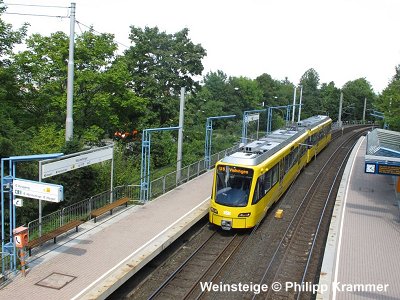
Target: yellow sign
(391,170)
(234,170)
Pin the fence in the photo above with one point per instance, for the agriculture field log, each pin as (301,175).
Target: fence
(5,267)
(80,210)
(169,181)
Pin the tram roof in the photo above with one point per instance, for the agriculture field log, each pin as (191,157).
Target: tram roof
(382,142)
(259,150)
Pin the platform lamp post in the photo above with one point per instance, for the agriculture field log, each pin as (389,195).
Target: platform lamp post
(207,147)
(145,188)
(7,186)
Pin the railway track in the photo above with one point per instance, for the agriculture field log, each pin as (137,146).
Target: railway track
(293,257)
(287,250)
(202,266)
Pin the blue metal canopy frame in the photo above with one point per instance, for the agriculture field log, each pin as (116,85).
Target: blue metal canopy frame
(245,123)
(269,116)
(379,115)
(145,163)
(207,147)
(6,183)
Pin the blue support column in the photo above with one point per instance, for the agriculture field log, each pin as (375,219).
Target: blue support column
(12,208)
(269,121)
(287,114)
(244,128)
(245,123)
(145,186)
(207,147)
(8,180)
(144,170)
(2,209)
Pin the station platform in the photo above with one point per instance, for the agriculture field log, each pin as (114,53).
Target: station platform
(95,261)
(361,259)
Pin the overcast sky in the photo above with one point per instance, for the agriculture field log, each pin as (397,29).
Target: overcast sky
(341,39)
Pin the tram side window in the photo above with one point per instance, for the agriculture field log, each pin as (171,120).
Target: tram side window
(275,175)
(291,159)
(302,150)
(295,156)
(287,162)
(257,191)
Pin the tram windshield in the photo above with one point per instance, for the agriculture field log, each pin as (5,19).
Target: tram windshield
(233,185)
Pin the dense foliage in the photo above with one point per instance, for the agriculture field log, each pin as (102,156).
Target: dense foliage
(140,89)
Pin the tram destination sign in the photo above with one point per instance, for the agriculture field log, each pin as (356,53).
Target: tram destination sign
(389,170)
(75,161)
(38,190)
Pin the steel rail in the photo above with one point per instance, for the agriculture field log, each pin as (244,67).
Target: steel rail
(301,206)
(172,276)
(317,231)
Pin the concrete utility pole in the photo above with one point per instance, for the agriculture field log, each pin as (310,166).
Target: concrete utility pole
(365,108)
(340,110)
(180,136)
(301,97)
(69,122)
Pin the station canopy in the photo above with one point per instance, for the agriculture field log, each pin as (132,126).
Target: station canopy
(383,152)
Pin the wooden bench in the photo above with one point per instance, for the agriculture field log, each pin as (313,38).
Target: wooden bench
(53,234)
(109,207)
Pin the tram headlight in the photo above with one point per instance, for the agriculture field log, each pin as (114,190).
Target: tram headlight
(214,210)
(244,214)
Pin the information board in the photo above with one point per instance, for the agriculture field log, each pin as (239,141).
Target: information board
(38,190)
(76,161)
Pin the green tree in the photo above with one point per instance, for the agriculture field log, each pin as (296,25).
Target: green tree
(330,97)
(311,93)
(389,102)
(270,89)
(12,139)
(160,64)
(102,100)
(248,95)
(354,94)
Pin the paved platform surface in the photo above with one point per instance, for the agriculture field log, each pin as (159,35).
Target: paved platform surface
(361,259)
(92,263)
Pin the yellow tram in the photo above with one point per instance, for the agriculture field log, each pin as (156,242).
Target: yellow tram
(247,182)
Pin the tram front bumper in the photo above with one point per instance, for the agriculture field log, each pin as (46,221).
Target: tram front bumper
(227,223)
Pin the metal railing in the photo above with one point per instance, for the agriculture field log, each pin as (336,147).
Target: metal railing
(6,270)
(336,125)
(169,181)
(80,210)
